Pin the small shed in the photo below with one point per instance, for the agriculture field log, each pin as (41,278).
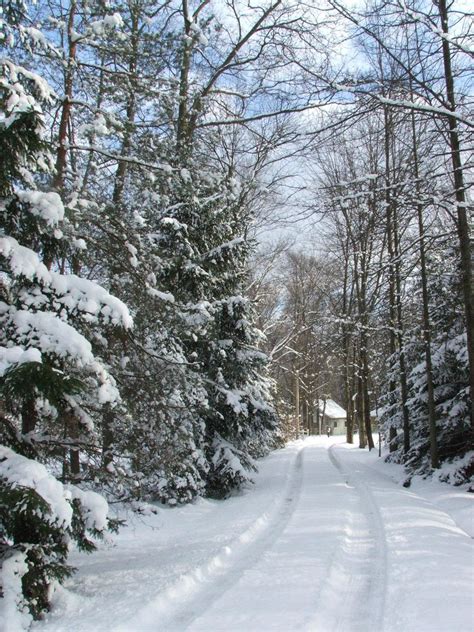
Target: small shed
(332,416)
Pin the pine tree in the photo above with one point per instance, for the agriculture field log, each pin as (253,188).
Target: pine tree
(50,377)
(205,250)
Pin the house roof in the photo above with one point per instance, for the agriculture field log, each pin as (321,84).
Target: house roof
(332,409)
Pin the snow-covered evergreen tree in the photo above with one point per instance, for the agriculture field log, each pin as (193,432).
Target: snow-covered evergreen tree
(205,252)
(450,373)
(52,382)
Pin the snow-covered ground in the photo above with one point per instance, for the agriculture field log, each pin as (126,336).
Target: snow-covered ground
(327,539)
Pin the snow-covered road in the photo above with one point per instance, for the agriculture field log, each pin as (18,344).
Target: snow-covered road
(326,540)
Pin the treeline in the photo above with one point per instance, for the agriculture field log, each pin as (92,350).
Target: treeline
(380,317)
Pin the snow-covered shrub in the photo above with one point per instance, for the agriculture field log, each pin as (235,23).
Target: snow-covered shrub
(229,469)
(458,471)
(40,519)
(241,414)
(170,465)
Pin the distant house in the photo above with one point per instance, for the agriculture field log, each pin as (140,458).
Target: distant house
(331,415)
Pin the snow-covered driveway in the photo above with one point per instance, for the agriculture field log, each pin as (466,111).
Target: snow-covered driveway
(325,541)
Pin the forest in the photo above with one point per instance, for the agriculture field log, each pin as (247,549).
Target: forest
(215,214)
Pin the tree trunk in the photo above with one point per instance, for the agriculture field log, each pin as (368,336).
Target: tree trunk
(107,436)
(364,351)
(297,403)
(349,408)
(29,416)
(73,432)
(396,320)
(360,412)
(460,197)
(400,337)
(183,124)
(426,309)
(366,398)
(66,110)
(346,339)
(120,174)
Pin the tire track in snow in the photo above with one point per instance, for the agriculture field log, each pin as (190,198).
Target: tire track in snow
(394,480)
(377,585)
(194,593)
(353,594)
